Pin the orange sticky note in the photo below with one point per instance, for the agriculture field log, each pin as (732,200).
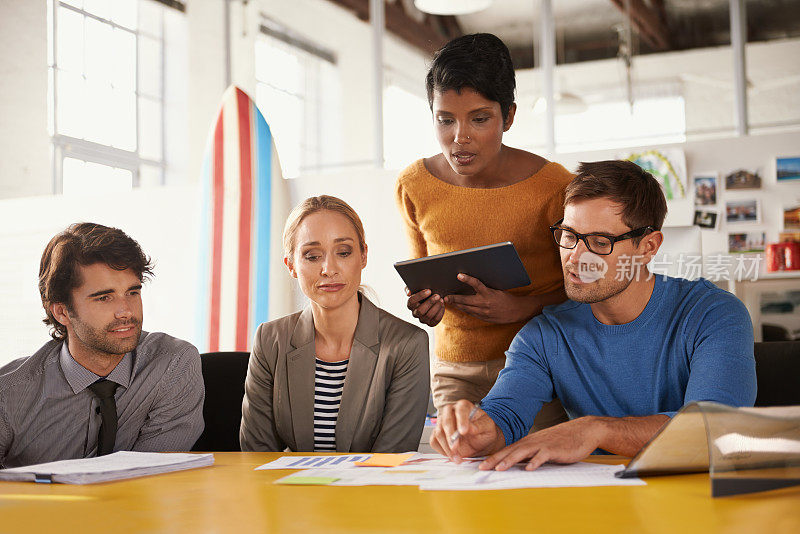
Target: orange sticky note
(385,459)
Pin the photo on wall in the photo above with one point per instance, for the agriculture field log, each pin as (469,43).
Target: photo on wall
(743,211)
(746,242)
(667,165)
(705,219)
(743,179)
(705,189)
(791,218)
(787,168)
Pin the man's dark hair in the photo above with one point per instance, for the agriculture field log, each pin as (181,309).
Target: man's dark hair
(84,244)
(625,183)
(480,61)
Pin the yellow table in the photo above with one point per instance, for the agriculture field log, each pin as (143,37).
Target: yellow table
(231,497)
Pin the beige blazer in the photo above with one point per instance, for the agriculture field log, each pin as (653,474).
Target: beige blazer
(385,395)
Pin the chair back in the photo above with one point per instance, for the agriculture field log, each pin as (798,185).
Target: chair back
(778,373)
(223,375)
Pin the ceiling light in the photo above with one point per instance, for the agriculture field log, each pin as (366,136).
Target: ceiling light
(451,7)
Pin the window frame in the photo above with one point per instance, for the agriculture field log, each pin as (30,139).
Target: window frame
(65,146)
(312,58)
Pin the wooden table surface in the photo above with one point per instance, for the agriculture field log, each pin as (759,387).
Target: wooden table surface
(231,497)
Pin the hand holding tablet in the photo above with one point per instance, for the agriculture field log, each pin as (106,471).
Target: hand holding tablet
(473,280)
(497,266)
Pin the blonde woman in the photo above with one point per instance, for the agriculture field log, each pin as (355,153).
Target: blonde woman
(342,375)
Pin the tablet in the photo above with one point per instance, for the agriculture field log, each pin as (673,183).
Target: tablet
(498,266)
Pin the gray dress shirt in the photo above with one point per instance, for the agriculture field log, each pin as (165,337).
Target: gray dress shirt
(47,412)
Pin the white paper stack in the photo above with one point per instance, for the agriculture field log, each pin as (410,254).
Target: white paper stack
(117,466)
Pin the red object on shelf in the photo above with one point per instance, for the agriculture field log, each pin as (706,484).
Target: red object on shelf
(776,257)
(791,256)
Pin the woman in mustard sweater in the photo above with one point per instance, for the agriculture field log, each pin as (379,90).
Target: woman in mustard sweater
(478,191)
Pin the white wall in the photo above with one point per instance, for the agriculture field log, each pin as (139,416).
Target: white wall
(206,37)
(704,77)
(163,220)
(338,30)
(24,141)
(371,194)
(25,163)
(754,152)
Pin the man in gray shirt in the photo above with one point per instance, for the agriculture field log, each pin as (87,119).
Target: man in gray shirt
(102,384)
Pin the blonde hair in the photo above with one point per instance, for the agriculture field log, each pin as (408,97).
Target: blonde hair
(314,205)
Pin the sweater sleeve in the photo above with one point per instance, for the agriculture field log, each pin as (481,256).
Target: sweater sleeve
(523,386)
(722,366)
(405,205)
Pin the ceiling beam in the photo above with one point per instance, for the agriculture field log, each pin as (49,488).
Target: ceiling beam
(649,22)
(429,35)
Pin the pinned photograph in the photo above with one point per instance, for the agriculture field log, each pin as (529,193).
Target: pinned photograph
(705,219)
(743,179)
(791,218)
(705,189)
(746,242)
(742,211)
(667,165)
(788,168)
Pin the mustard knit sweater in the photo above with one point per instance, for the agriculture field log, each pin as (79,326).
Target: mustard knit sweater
(441,217)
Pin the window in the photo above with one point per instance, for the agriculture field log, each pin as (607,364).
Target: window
(407,128)
(106,93)
(613,124)
(297,91)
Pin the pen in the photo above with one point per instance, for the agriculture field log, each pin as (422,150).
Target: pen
(455,435)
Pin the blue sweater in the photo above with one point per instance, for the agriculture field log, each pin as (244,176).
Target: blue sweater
(692,342)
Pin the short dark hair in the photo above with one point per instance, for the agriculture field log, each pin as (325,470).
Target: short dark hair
(480,61)
(84,244)
(625,183)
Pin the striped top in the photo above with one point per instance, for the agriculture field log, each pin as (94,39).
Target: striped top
(328,385)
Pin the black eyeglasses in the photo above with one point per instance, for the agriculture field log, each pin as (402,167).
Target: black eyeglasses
(598,243)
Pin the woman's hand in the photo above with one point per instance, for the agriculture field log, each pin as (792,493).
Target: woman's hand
(493,305)
(429,309)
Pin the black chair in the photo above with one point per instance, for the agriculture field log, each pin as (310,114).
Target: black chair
(223,375)
(778,373)
(772,332)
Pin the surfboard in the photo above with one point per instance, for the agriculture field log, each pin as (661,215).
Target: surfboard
(245,202)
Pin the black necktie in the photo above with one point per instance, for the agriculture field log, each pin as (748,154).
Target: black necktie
(104,389)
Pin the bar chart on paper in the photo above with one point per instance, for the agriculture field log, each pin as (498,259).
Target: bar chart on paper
(345,461)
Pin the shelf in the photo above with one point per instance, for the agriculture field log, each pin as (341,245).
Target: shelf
(778,275)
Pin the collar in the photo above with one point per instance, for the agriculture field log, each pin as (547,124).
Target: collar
(79,377)
(366,329)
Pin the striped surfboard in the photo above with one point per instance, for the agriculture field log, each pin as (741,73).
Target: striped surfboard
(244,206)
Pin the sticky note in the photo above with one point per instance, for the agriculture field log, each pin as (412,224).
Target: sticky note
(385,460)
(306,481)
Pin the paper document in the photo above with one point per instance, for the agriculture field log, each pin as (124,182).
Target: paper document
(341,461)
(306,481)
(116,466)
(582,474)
(436,472)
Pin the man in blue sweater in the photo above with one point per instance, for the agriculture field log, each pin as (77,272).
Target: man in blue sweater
(623,354)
